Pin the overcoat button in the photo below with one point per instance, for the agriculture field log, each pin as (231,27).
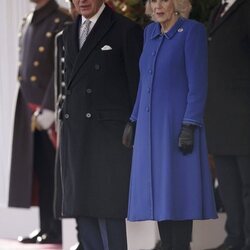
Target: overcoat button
(209,39)
(97,66)
(89,91)
(66,116)
(88,115)
(63,97)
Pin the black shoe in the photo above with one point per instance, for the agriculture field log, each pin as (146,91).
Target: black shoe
(48,238)
(225,247)
(77,246)
(32,238)
(158,246)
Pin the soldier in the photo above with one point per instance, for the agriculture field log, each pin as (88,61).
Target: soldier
(33,152)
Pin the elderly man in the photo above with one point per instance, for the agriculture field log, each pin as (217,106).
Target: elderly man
(102,50)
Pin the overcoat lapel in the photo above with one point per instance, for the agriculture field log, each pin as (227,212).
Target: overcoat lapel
(232,9)
(73,40)
(101,27)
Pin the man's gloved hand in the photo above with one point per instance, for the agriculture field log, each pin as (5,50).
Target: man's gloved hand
(42,119)
(129,134)
(186,138)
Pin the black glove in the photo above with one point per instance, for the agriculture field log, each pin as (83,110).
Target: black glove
(129,134)
(186,138)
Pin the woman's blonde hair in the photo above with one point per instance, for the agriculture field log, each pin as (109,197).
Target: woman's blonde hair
(182,7)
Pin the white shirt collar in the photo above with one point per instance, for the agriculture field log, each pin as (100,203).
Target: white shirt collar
(94,18)
(230,3)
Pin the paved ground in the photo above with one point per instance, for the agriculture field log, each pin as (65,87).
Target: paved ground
(6,244)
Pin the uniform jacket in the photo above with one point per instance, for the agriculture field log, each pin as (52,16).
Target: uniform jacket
(101,89)
(165,184)
(36,72)
(228,113)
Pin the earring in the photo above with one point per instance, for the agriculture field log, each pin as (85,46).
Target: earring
(176,13)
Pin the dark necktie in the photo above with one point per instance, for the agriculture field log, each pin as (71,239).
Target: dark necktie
(220,11)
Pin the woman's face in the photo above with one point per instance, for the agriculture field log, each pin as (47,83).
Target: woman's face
(163,10)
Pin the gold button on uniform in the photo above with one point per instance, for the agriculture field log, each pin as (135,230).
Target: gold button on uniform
(41,49)
(33,78)
(48,34)
(36,63)
(57,20)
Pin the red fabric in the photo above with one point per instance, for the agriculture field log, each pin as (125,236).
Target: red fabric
(53,136)
(33,107)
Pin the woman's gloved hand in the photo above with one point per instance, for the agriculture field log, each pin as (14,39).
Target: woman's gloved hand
(186,138)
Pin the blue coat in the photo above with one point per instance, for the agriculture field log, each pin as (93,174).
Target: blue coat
(165,184)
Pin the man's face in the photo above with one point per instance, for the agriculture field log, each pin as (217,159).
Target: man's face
(87,8)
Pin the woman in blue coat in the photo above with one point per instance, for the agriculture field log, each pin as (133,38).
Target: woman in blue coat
(170,179)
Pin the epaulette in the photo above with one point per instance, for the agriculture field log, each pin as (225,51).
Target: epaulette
(25,19)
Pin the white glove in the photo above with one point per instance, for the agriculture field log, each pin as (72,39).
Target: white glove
(45,119)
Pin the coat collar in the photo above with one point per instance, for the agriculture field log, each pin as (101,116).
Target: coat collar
(233,8)
(46,10)
(170,34)
(101,27)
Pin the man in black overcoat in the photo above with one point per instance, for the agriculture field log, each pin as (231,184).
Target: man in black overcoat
(101,84)
(228,115)
(33,151)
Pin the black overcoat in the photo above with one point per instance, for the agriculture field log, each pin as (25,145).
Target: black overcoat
(36,75)
(101,83)
(228,103)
